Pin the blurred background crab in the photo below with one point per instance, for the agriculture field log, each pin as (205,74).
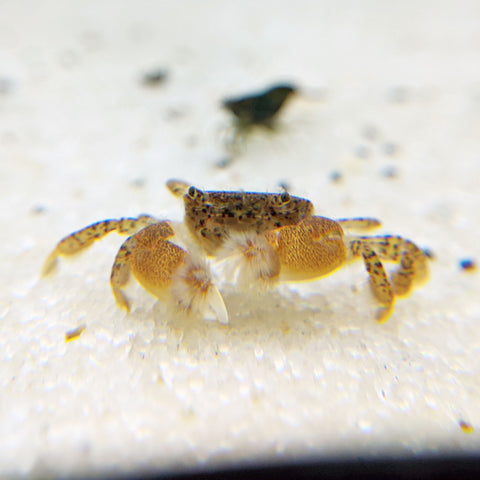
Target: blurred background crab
(263,237)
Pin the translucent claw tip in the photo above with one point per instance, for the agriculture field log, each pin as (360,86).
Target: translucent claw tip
(121,299)
(216,306)
(50,264)
(383,314)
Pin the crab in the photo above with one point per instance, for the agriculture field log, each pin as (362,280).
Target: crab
(264,237)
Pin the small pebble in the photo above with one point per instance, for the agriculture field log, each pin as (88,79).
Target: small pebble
(154,78)
(335,176)
(362,151)
(390,172)
(390,148)
(370,132)
(38,209)
(468,264)
(466,427)
(138,182)
(75,333)
(224,162)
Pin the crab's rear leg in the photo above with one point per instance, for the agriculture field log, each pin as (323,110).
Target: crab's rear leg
(413,263)
(381,286)
(360,223)
(166,271)
(84,238)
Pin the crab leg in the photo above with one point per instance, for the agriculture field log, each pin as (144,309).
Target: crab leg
(360,223)
(82,239)
(178,187)
(413,268)
(381,286)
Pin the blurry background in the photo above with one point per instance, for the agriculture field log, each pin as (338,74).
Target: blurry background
(387,125)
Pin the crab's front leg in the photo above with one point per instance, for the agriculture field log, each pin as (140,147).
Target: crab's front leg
(166,271)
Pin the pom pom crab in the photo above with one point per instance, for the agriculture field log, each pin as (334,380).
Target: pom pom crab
(265,238)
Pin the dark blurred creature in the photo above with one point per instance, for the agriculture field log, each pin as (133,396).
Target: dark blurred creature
(254,110)
(260,108)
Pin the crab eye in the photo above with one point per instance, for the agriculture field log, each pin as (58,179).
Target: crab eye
(285,197)
(195,194)
(192,192)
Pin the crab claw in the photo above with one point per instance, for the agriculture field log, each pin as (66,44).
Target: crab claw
(194,291)
(168,272)
(249,260)
(309,250)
